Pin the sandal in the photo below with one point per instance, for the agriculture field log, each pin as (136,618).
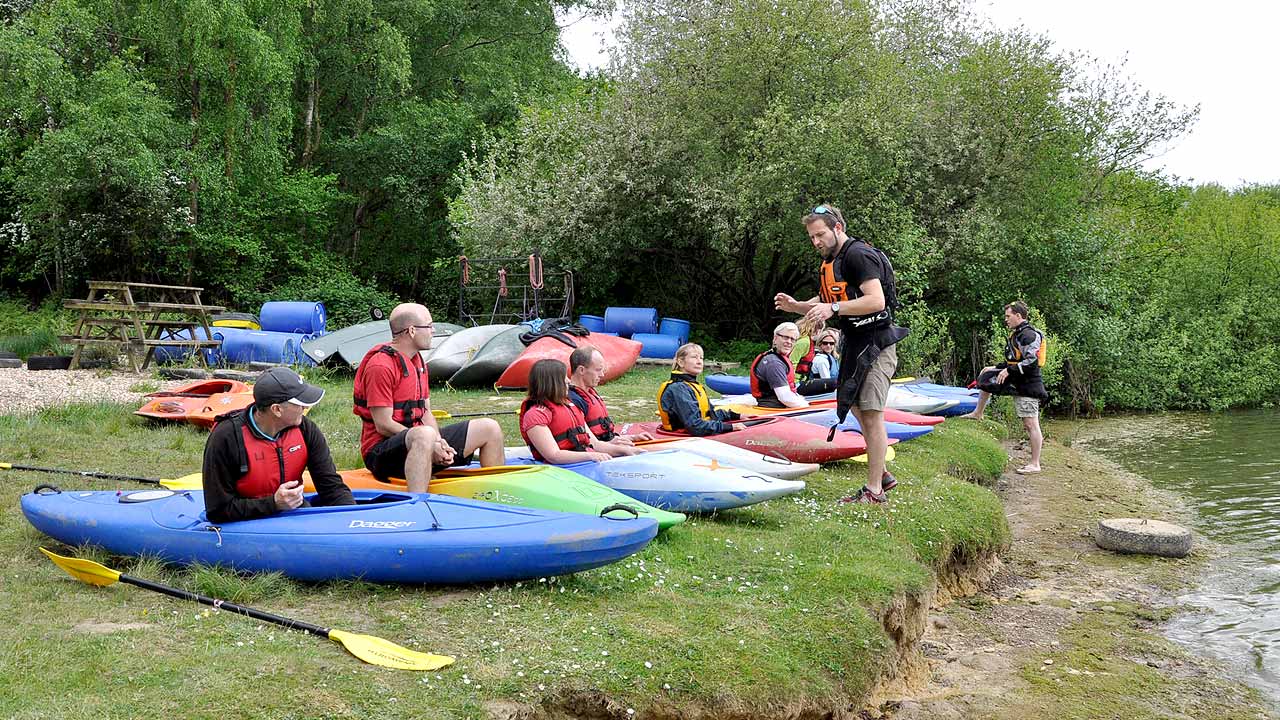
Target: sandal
(865,497)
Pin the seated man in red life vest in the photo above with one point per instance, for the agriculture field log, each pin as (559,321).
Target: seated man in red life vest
(586,370)
(554,428)
(399,437)
(254,458)
(773,379)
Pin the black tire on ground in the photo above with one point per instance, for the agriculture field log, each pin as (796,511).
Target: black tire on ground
(6,355)
(48,362)
(1143,537)
(240,375)
(179,373)
(10,363)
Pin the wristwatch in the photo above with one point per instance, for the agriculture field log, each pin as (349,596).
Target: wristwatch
(835,308)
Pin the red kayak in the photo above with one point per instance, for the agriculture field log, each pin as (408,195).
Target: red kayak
(180,403)
(890,415)
(797,441)
(619,356)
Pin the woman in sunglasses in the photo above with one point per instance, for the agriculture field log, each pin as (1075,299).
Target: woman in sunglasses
(825,364)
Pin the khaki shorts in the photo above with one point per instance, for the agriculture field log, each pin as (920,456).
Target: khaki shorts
(875,389)
(1026,407)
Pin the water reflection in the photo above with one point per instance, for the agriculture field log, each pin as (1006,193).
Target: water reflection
(1227,466)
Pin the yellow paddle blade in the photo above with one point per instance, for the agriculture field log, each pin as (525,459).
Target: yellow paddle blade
(441,414)
(376,651)
(193,481)
(902,380)
(86,571)
(889,454)
(6,466)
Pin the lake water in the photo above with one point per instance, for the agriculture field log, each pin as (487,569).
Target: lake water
(1227,466)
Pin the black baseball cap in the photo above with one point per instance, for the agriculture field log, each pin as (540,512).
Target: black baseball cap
(282,385)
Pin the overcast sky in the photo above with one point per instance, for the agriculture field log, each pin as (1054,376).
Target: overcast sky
(1220,54)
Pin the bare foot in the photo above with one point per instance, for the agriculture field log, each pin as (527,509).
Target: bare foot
(1028,469)
(970,416)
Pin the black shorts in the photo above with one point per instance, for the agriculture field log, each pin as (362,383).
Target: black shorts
(386,459)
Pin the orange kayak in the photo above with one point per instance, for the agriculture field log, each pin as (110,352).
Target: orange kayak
(194,402)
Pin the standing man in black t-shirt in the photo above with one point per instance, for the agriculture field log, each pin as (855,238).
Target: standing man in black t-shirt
(857,288)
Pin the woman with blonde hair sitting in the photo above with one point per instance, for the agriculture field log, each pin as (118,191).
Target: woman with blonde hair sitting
(683,403)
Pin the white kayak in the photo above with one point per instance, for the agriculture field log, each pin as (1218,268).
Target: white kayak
(772,465)
(678,480)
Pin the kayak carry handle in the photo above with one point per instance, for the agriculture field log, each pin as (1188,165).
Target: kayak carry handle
(619,506)
(56,490)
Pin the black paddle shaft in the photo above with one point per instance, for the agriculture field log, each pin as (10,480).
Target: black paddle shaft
(225,605)
(85,473)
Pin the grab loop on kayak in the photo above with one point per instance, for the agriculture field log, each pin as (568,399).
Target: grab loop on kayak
(54,490)
(619,506)
(218,531)
(774,456)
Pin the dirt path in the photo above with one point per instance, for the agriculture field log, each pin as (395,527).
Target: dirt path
(24,391)
(1068,630)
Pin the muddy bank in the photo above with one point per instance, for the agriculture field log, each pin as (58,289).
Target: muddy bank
(1066,630)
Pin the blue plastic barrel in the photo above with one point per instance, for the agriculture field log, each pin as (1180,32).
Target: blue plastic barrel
(292,317)
(675,328)
(654,345)
(246,346)
(178,354)
(627,321)
(594,323)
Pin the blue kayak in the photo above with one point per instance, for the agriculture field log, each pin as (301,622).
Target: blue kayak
(966,400)
(386,537)
(728,384)
(678,480)
(827,418)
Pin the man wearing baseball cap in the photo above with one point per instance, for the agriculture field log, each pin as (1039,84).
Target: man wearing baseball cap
(254,458)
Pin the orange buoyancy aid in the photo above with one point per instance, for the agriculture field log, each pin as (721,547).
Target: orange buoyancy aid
(409,400)
(272,463)
(699,392)
(568,428)
(832,287)
(596,414)
(758,389)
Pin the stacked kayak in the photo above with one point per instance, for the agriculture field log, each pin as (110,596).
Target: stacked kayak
(386,537)
(728,384)
(896,431)
(197,403)
(619,353)
(457,350)
(787,437)
(966,400)
(349,345)
(678,480)
(546,487)
(491,359)
(773,465)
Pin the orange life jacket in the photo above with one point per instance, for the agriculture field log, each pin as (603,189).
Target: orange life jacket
(409,401)
(271,463)
(568,428)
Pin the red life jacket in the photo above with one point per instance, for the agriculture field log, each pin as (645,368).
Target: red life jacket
(804,368)
(596,415)
(271,463)
(568,428)
(758,390)
(409,401)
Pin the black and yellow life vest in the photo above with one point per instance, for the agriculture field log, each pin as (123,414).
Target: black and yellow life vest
(699,392)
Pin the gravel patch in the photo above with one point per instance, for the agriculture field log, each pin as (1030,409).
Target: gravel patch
(23,391)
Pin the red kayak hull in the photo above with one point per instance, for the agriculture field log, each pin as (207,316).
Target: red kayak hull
(779,436)
(620,355)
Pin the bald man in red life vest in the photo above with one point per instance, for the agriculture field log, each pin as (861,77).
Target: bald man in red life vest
(254,458)
(399,436)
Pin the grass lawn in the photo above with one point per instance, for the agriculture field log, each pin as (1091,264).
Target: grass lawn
(768,606)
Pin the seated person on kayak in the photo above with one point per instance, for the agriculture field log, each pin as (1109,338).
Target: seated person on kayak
(824,364)
(553,427)
(399,436)
(773,379)
(586,370)
(254,458)
(1019,376)
(683,403)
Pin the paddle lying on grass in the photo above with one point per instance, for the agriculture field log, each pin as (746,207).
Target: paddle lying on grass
(445,414)
(186,482)
(373,650)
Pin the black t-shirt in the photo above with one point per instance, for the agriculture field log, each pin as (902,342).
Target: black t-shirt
(859,262)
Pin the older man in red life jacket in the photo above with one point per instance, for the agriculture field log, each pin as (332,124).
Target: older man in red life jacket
(399,436)
(254,458)
(586,370)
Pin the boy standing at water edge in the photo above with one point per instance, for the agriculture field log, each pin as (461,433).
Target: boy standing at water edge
(857,288)
(1020,377)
